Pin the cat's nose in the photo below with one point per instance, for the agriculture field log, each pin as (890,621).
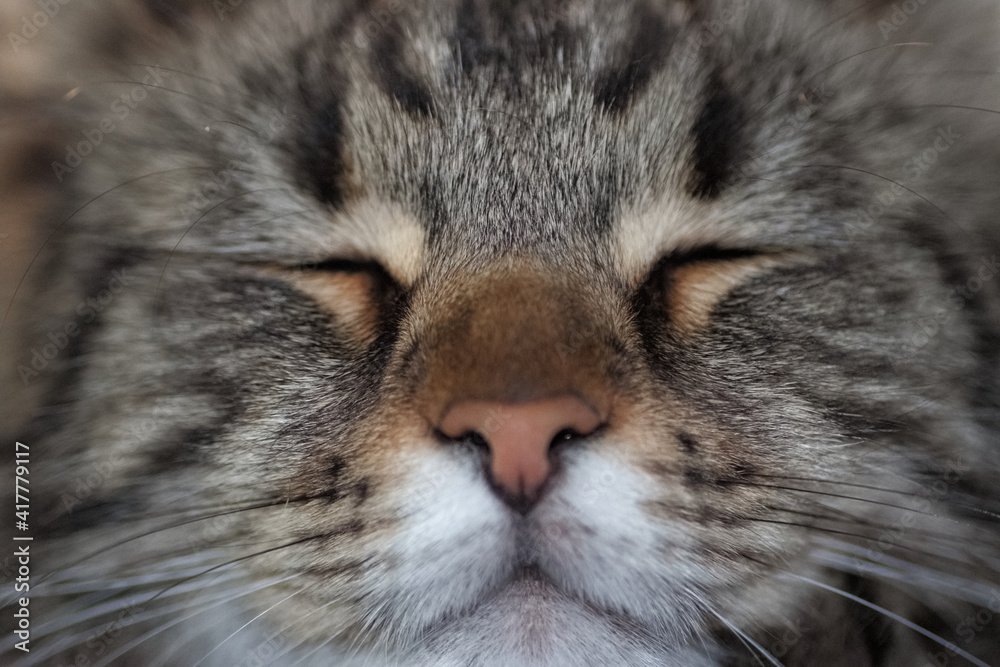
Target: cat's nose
(520,438)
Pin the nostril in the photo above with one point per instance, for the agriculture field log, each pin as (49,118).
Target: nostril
(476,439)
(473,438)
(519,439)
(565,436)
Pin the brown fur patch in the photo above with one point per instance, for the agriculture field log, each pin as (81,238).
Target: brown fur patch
(349,297)
(694,290)
(513,336)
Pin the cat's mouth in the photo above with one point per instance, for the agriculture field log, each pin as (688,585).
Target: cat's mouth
(530,584)
(530,575)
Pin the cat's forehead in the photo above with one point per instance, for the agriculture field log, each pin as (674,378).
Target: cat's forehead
(530,124)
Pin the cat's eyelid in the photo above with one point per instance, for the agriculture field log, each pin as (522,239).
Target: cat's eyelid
(721,253)
(694,286)
(340,264)
(709,254)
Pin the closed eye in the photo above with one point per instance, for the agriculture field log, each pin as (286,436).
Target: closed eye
(342,265)
(711,254)
(359,293)
(690,284)
(382,281)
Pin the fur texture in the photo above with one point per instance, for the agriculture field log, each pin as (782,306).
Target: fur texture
(277,239)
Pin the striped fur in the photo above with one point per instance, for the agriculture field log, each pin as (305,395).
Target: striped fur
(277,239)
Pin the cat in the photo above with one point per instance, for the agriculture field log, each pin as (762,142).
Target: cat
(528,333)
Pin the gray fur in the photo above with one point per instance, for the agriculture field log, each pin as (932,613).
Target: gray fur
(207,446)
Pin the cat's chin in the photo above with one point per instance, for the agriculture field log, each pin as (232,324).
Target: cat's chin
(528,597)
(530,622)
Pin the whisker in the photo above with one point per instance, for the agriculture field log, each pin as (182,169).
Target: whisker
(953,72)
(904,571)
(293,647)
(247,624)
(839,495)
(790,91)
(913,192)
(139,616)
(126,82)
(196,77)
(220,601)
(104,588)
(91,616)
(311,653)
(823,480)
(952,501)
(202,217)
(860,8)
(72,215)
(955,106)
(747,640)
(943,539)
(216,121)
(104,550)
(896,617)
(812,527)
(240,559)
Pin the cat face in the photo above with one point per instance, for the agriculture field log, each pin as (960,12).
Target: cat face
(559,333)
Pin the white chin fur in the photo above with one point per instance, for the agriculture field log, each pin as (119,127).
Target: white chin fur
(533,625)
(447,590)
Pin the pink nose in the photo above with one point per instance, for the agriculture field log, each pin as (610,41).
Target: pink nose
(520,435)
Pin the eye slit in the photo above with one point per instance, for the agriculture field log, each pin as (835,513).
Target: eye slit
(343,265)
(658,277)
(385,281)
(690,284)
(710,253)
(362,297)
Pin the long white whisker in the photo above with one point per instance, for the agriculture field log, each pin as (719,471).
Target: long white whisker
(895,569)
(247,624)
(747,640)
(139,616)
(88,611)
(215,603)
(896,617)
